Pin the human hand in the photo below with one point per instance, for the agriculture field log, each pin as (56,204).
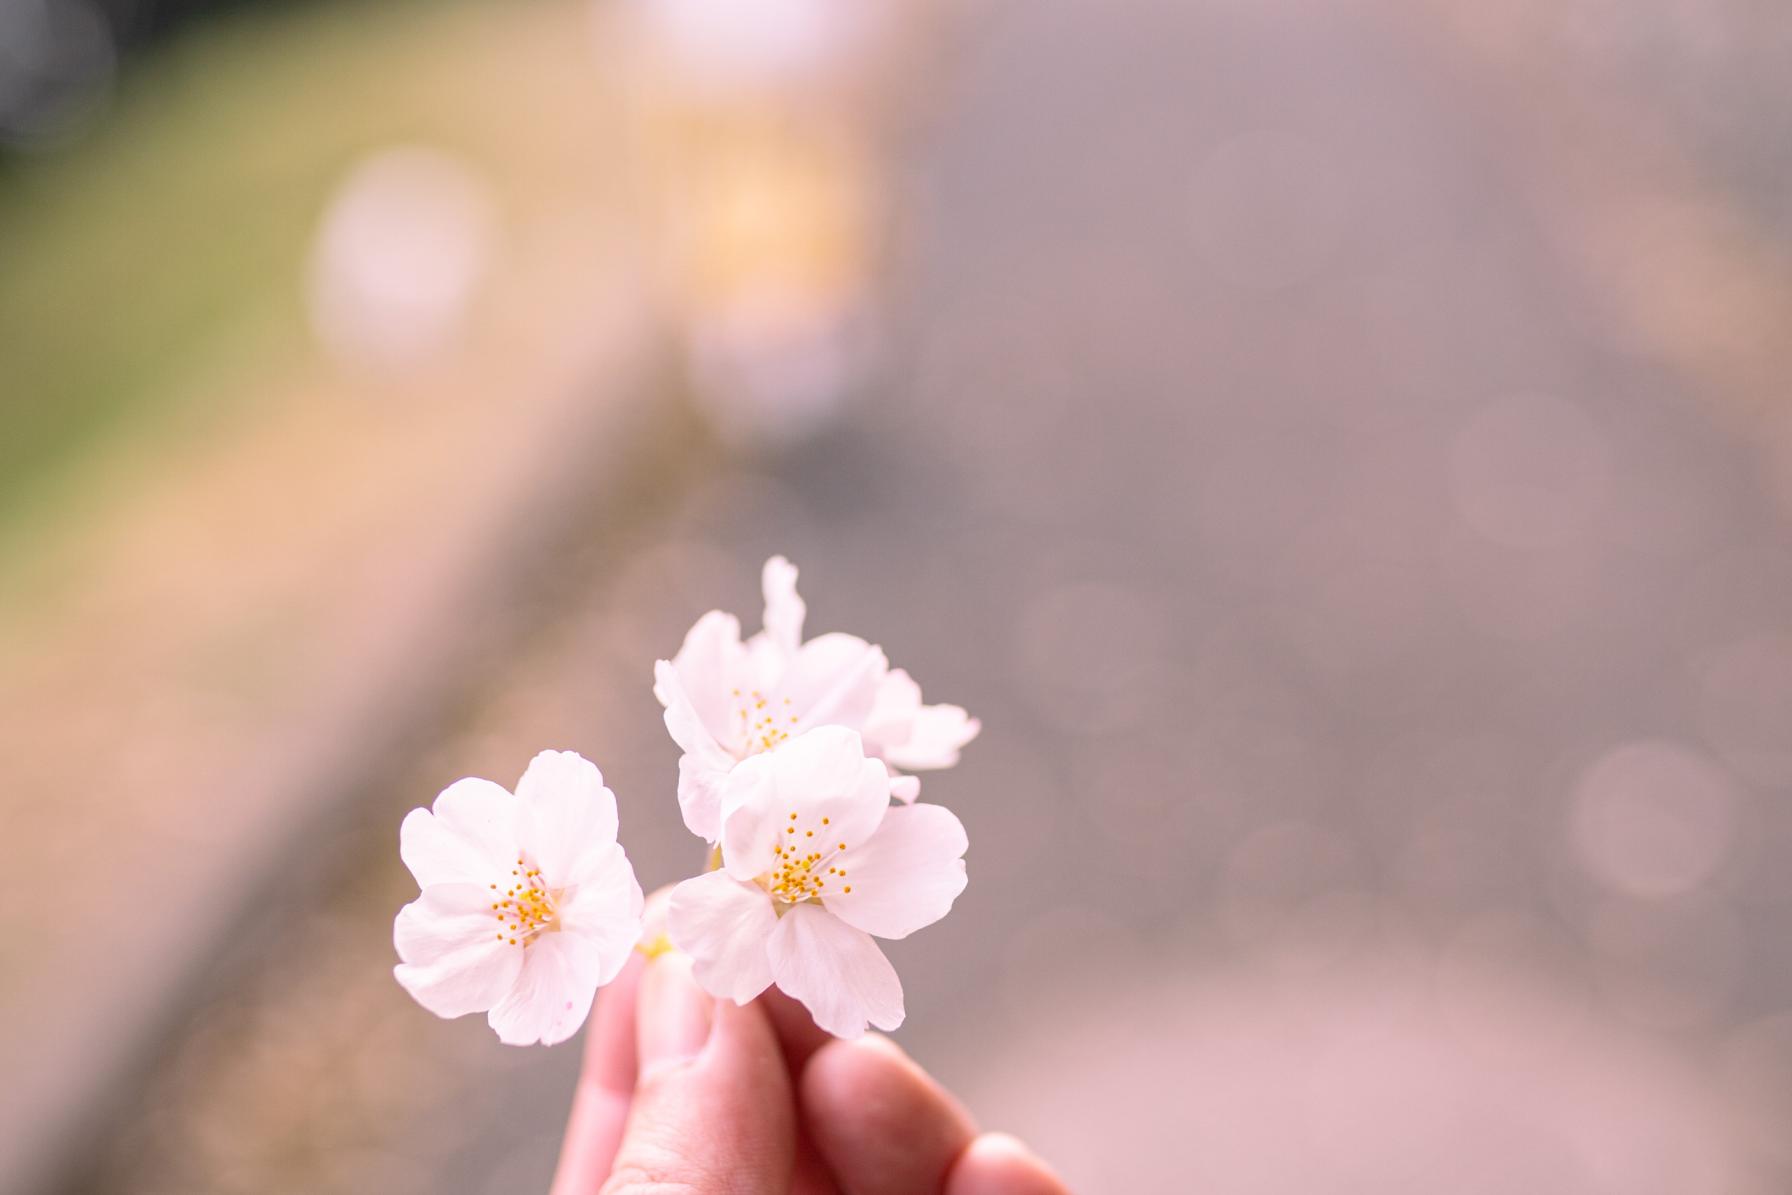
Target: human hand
(683,1094)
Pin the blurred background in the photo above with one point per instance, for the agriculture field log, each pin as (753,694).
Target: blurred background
(1341,451)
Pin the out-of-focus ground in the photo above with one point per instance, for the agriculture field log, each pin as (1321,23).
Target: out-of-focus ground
(1339,451)
(242,571)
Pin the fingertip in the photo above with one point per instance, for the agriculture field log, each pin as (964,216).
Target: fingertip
(610,1039)
(712,1096)
(606,1085)
(797,1031)
(745,1035)
(881,1123)
(673,1015)
(884,1044)
(999,1164)
(874,1069)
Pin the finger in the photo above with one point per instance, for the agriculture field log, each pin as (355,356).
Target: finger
(810,1175)
(800,1037)
(712,1108)
(600,1103)
(881,1124)
(797,1031)
(997,1164)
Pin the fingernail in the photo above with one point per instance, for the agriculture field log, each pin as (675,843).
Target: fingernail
(673,1013)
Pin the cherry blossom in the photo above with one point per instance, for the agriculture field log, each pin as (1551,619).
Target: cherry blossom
(728,700)
(815,861)
(528,902)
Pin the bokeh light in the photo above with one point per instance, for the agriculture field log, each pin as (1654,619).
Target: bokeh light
(1654,819)
(400,253)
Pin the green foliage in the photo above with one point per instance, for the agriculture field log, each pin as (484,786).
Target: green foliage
(170,242)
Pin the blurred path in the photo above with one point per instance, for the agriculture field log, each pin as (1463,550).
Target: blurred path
(258,591)
(1645,140)
(1333,570)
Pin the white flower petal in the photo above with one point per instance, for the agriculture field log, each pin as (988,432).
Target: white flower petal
(534,970)
(906,734)
(683,723)
(836,971)
(746,805)
(705,763)
(892,716)
(935,738)
(700,796)
(766,664)
(451,958)
(552,994)
(784,610)
(724,924)
(905,788)
(821,776)
(906,876)
(566,813)
(466,838)
(602,904)
(834,680)
(711,664)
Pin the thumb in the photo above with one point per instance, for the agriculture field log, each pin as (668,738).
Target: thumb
(712,1112)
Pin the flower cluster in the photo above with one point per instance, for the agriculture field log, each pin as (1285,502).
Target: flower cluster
(789,771)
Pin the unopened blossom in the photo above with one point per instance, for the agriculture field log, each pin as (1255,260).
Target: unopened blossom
(816,864)
(529,904)
(728,700)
